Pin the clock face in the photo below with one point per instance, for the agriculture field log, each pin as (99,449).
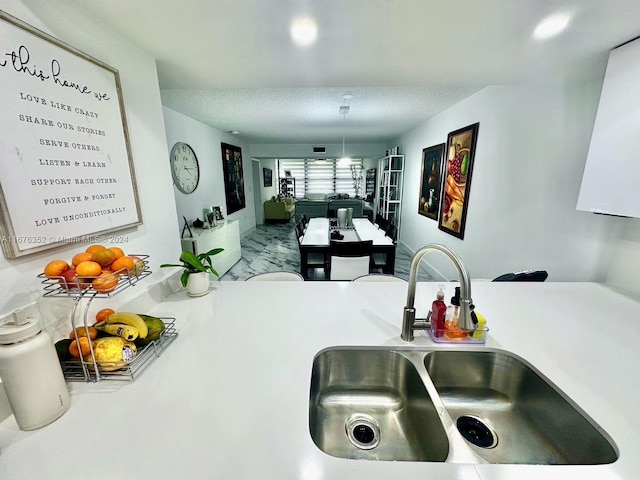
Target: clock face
(184,167)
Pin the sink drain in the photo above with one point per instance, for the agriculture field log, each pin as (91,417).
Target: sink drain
(477,432)
(363,431)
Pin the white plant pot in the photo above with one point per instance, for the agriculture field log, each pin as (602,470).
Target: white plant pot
(198,284)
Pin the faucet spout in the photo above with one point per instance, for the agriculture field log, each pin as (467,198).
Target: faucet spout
(465,321)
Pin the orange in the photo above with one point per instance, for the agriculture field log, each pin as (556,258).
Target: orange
(106,282)
(80,347)
(82,332)
(55,268)
(80,257)
(103,314)
(122,263)
(88,269)
(95,248)
(117,251)
(103,257)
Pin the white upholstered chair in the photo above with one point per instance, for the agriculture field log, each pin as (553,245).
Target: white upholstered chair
(349,260)
(374,277)
(276,277)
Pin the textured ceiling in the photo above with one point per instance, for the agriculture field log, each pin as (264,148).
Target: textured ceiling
(231,63)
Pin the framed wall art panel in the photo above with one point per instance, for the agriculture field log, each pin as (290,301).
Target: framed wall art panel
(233,178)
(431,181)
(67,171)
(460,153)
(268,177)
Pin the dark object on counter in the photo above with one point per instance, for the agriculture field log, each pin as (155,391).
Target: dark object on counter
(197,223)
(336,235)
(525,276)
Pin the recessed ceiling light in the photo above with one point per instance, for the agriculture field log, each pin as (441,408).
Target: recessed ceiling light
(234,132)
(304,31)
(551,26)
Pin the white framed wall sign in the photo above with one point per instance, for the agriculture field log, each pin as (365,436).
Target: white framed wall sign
(66,169)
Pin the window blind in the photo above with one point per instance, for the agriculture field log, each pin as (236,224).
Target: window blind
(320,176)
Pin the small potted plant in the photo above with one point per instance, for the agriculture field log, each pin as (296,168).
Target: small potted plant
(195,276)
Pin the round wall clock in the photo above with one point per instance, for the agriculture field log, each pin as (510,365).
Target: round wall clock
(185,169)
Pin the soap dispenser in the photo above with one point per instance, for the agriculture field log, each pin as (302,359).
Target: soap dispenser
(438,312)
(453,311)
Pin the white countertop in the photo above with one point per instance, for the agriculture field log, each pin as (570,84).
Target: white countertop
(229,398)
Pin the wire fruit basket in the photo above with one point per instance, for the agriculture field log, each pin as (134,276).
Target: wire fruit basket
(106,285)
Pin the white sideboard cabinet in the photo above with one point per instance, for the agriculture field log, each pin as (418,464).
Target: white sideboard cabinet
(226,235)
(610,180)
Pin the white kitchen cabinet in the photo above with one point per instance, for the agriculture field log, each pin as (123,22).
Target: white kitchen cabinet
(226,235)
(612,170)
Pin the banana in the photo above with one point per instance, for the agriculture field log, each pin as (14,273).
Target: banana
(118,329)
(132,319)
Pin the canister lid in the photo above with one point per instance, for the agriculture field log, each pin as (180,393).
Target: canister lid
(12,333)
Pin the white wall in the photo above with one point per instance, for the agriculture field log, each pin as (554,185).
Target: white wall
(205,141)
(143,108)
(157,235)
(268,192)
(531,151)
(302,150)
(625,265)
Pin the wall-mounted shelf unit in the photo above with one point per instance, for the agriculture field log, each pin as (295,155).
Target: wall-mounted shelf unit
(389,203)
(371,184)
(288,187)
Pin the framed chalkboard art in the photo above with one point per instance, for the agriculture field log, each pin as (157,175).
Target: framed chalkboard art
(67,171)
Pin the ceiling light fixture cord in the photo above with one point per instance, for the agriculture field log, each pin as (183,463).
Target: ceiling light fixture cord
(344,121)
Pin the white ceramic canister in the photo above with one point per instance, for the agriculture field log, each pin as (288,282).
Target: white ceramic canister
(31,374)
(342,217)
(349,217)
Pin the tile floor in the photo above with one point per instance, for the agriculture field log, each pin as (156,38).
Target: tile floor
(274,247)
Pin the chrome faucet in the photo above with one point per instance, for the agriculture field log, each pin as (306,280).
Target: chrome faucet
(409,321)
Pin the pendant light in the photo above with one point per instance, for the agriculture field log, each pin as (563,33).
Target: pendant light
(344,109)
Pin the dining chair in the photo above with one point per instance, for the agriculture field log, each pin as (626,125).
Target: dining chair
(299,231)
(377,277)
(392,232)
(315,260)
(276,277)
(381,222)
(349,260)
(305,220)
(380,260)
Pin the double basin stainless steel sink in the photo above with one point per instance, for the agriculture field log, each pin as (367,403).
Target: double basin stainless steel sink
(458,406)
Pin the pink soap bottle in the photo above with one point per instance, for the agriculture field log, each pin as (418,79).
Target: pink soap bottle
(438,312)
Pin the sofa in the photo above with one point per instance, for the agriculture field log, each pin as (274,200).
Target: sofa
(327,205)
(354,203)
(279,210)
(311,208)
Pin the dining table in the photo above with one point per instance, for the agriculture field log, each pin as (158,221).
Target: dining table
(317,238)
